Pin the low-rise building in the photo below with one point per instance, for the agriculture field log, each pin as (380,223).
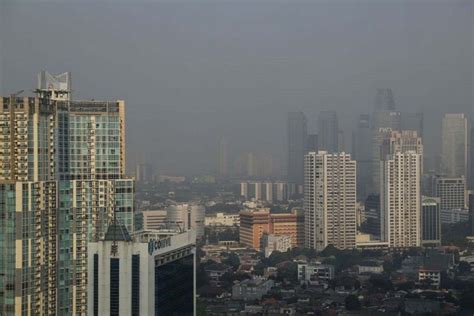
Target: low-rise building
(370,267)
(270,243)
(222,219)
(216,271)
(427,273)
(251,289)
(315,273)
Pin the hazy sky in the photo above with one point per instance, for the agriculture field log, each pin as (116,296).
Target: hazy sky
(192,71)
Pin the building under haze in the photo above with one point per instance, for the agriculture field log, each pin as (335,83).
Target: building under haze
(430,222)
(297,140)
(330,200)
(454,135)
(223,159)
(62,179)
(362,153)
(451,192)
(147,273)
(384,100)
(401,199)
(390,141)
(328,131)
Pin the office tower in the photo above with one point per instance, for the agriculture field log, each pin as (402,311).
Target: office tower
(412,122)
(297,137)
(430,222)
(362,153)
(401,199)
(312,143)
(372,216)
(186,216)
(328,131)
(149,273)
(383,123)
(223,159)
(330,200)
(451,192)
(453,216)
(62,180)
(384,100)
(454,145)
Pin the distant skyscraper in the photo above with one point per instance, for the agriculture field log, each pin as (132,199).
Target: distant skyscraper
(401,199)
(412,122)
(297,141)
(330,200)
(430,222)
(143,173)
(454,145)
(312,143)
(223,159)
(384,100)
(62,179)
(451,192)
(328,131)
(362,153)
(382,122)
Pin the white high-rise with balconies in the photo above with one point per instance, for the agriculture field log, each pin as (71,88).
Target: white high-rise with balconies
(401,199)
(330,200)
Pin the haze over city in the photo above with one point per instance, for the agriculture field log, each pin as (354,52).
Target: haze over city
(192,72)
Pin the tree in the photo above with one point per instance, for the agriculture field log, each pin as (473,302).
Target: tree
(232,260)
(352,303)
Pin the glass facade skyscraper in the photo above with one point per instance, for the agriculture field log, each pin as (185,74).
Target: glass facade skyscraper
(62,177)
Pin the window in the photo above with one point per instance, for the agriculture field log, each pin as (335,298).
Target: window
(114,286)
(135,285)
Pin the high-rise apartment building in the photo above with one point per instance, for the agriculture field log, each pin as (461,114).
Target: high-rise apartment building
(328,131)
(430,222)
(362,153)
(330,200)
(297,141)
(61,182)
(401,199)
(451,192)
(390,141)
(454,134)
